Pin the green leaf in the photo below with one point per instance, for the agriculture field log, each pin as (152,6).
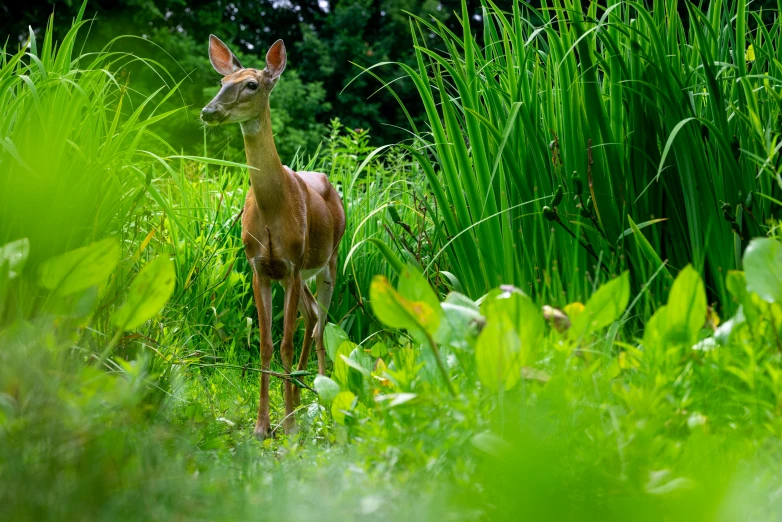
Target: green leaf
(397,311)
(393,260)
(148,292)
(326,388)
(603,308)
(82,268)
(353,363)
(340,372)
(343,404)
(763,268)
(736,284)
(14,255)
(379,349)
(413,286)
(655,331)
(498,354)
(524,316)
(333,337)
(686,307)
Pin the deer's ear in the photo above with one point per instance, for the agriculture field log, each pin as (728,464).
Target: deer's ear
(276,59)
(223,60)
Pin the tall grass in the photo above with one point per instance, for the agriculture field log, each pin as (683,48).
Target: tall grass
(636,113)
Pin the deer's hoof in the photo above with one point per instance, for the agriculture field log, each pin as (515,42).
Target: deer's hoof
(262,431)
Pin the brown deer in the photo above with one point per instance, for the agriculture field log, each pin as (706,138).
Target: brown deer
(292,221)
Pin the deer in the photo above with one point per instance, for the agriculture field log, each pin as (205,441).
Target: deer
(292,223)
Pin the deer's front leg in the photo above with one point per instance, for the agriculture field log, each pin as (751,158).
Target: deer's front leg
(292,295)
(263,302)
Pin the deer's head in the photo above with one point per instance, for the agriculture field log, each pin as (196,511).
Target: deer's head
(244,93)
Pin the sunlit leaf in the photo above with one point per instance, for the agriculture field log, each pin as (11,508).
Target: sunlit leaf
(343,404)
(396,311)
(327,389)
(763,268)
(148,293)
(340,372)
(686,307)
(604,307)
(82,268)
(333,337)
(498,354)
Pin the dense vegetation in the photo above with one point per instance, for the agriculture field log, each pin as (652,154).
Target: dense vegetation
(559,297)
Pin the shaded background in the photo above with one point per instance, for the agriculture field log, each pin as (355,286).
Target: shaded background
(322,38)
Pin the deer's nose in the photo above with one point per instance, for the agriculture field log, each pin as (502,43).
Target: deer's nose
(209,114)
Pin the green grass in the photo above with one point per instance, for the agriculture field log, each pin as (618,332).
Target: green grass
(642,410)
(651,120)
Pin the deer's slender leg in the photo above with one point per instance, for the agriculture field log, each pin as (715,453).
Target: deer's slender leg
(263,302)
(309,310)
(325,289)
(292,294)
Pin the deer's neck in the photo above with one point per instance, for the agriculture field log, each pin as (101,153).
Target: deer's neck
(267,175)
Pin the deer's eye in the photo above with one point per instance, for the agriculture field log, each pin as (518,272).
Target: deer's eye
(252,86)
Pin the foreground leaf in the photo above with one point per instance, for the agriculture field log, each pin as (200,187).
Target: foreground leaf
(343,404)
(686,307)
(82,268)
(763,268)
(148,293)
(327,389)
(603,308)
(498,354)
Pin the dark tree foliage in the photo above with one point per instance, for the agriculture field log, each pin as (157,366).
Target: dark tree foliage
(324,40)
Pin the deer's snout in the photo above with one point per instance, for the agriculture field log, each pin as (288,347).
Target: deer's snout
(211,115)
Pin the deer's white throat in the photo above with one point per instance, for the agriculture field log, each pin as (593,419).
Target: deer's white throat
(251,127)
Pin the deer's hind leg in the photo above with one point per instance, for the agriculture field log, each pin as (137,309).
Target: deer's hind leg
(309,311)
(324,290)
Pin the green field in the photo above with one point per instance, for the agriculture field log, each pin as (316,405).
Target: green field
(559,295)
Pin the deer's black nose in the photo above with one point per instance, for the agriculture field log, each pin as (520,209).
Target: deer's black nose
(209,114)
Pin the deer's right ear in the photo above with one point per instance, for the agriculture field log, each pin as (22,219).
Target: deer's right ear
(223,60)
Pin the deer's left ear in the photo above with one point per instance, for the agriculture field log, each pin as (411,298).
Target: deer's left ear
(276,59)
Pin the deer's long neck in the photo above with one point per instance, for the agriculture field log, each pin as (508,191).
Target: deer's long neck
(267,175)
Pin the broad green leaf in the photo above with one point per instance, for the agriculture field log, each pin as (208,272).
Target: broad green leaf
(413,286)
(333,337)
(458,299)
(763,268)
(396,311)
(14,255)
(148,293)
(603,308)
(498,354)
(82,268)
(379,349)
(326,388)
(736,284)
(524,315)
(457,324)
(353,363)
(655,331)
(343,403)
(340,372)
(686,307)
